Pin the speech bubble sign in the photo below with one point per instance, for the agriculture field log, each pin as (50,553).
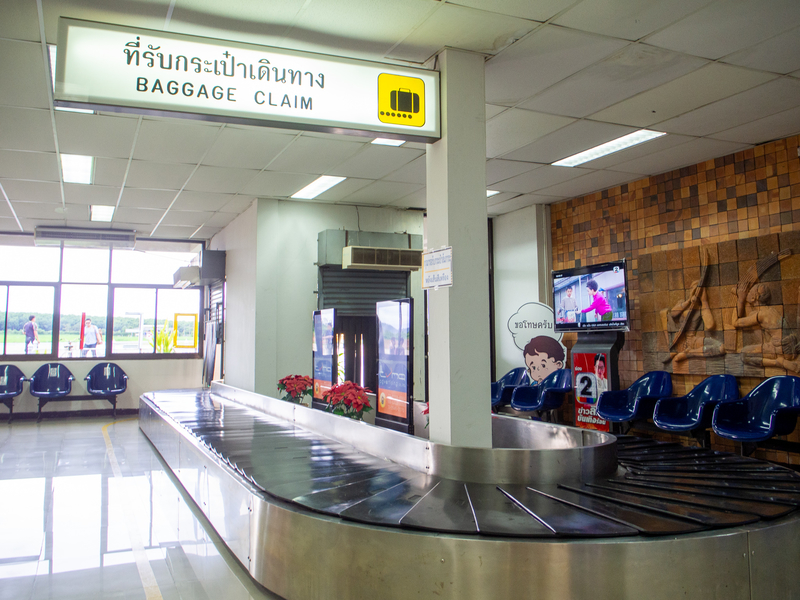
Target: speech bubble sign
(531,320)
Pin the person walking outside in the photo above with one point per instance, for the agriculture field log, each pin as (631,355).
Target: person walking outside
(31,331)
(91,337)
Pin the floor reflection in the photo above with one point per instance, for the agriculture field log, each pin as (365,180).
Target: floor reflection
(67,521)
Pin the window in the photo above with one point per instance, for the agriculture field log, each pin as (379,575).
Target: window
(92,303)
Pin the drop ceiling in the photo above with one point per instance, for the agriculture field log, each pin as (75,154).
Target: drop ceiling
(718,76)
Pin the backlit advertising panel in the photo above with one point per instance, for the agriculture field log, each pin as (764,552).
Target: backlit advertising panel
(395,373)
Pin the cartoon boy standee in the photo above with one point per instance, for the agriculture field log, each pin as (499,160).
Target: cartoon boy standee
(543,355)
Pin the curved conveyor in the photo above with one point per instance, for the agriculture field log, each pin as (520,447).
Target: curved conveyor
(561,512)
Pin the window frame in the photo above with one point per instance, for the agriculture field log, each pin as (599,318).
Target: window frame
(109,327)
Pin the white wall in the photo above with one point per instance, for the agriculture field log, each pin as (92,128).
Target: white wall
(143,376)
(275,290)
(238,239)
(522,267)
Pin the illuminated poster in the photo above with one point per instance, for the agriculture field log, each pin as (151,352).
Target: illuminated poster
(591,380)
(394,364)
(322,347)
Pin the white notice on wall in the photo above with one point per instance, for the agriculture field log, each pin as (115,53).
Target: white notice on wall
(437,268)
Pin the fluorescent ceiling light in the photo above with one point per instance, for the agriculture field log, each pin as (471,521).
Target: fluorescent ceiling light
(51,49)
(101,212)
(76,168)
(626,141)
(315,188)
(388,142)
(490,193)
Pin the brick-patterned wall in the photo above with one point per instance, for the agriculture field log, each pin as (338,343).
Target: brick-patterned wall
(748,194)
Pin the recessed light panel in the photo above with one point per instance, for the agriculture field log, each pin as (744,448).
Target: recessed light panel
(77,169)
(388,142)
(101,212)
(626,141)
(315,188)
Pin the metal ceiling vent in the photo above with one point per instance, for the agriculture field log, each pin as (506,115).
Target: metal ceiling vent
(84,237)
(381,259)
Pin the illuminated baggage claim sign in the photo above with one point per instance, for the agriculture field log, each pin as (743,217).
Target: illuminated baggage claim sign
(101,66)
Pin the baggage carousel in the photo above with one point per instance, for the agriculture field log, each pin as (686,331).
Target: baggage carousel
(319,506)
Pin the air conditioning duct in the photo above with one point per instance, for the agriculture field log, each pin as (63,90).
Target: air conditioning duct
(381,259)
(210,270)
(84,237)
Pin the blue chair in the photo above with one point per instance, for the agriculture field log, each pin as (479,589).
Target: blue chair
(770,409)
(694,410)
(547,395)
(51,381)
(106,380)
(638,401)
(11,379)
(504,387)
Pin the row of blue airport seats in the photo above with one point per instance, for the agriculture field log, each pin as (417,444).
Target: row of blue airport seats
(514,389)
(53,381)
(769,410)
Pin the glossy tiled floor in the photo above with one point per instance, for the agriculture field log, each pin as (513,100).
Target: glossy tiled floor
(87,511)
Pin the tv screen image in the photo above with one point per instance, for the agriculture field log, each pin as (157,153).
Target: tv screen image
(590,298)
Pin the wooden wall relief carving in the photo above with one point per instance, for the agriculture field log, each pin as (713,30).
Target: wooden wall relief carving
(730,307)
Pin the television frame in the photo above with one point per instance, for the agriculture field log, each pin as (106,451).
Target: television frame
(582,274)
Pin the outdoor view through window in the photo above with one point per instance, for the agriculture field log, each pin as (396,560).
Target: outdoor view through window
(57,302)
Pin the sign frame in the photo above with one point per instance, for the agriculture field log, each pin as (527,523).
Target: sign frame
(116,68)
(437,268)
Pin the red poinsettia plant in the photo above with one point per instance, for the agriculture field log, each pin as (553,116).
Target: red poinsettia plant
(295,387)
(348,399)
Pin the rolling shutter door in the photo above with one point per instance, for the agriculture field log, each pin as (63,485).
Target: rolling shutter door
(353,293)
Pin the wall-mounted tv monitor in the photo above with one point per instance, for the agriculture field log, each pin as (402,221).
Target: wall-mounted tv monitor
(592,298)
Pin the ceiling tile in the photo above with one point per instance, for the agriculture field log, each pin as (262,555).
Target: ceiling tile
(95,135)
(726,26)
(416,199)
(38,210)
(708,84)
(516,128)
(413,172)
(780,54)
(500,198)
(143,198)
(206,233)
(314,155)
(492,110)
(541,10)
(37,166)
(174,141)
(5,215)
(250,148)
(172,232)
(189,200)
(498,169)
(157,175)
(634,69)
(375,162)
(32,191)
(569,140)
(769,128)
(186,218)
(26,129)
(691,152)
(277,185)
(22,72)
(220,179)
(109,171)
(521,202)
(219,220)
(542,59)
(627,19)
(538,179)
(238,204)
(773,97)
(20,21)
(591,182)
(139,216)
(76,193)
(458,27)
(382,192)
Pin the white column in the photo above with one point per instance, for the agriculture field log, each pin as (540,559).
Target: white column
(458,344)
